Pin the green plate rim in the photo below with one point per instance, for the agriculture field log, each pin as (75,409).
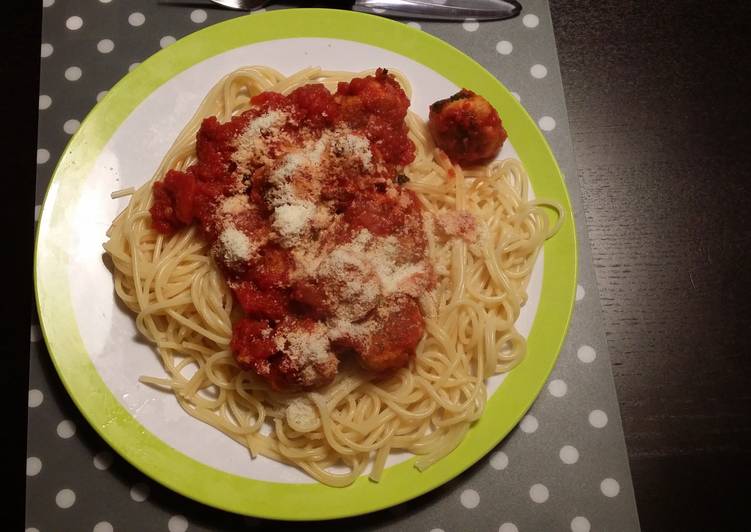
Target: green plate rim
(269,499)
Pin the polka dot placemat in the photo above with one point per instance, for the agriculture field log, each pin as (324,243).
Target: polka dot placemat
(563,468)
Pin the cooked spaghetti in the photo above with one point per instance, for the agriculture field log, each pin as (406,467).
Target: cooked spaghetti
(482,235)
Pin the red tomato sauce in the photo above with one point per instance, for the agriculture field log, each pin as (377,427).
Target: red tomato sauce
(323,248)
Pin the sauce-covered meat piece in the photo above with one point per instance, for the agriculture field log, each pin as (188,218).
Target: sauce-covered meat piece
(467,128)
(295,354)
(398,327)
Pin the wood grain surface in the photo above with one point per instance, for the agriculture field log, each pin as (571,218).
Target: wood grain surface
(658,100)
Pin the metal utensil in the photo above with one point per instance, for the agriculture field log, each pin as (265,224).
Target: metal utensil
(415,9)
(244,5)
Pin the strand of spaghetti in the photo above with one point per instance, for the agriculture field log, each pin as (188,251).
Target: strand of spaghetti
(197,328)
(448,443)
(380,463)
(332,479)
(329,429)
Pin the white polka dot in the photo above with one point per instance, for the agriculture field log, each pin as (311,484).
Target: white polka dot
(133,66)
(103,526)
(504,47)
(33,466)
(569,454)
(47,3)
(103,460)
(105,46)
(529,424)
(42,157)
(557,388)
(546,123)
(538,71)
(598,419)
(37,208)
(508,527)
(46,49)
(66,429)
(165,41)
(198,16)
(580,293)
(470,499)
(73,73)
(65,498)
(101,95)
(539,493)
(105,1)
(580,524)
(71,126)
(74,23)
(531,21)
(44,102)
(499,460)
(140,492)
(470,25)
(586,354)
(610,487)
(516,95)
(136,19)
(415,25)
(177,523)
(36,397)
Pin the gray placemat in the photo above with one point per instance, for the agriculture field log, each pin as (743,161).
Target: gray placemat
(564,467)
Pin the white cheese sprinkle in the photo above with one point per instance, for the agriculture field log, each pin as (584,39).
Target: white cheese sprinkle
(236,244)
(263,124)
(354,146)
(234,204)
(291,220)
(301,415)
(306,347)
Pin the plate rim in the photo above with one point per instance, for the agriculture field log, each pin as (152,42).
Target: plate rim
(198,481)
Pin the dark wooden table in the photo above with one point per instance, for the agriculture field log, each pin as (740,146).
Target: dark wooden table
(658,98)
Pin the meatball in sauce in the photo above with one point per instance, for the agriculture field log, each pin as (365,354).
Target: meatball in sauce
(467,128)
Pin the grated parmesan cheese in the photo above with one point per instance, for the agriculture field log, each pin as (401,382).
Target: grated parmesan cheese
(482,233)
(309,156)
(350,283)
(251,145)
(301,415)
(305,347)
(382,255)
(461,224)
(342,328)
(234,204)
(236,244)
(291,220)
(293,210)
(263,124)
(354,146)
